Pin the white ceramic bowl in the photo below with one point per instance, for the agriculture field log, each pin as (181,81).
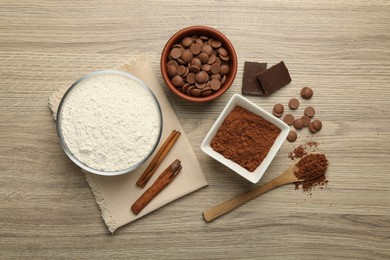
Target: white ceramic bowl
(256,175)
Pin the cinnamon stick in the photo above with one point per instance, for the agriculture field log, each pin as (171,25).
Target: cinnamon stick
(162,181)
(158,158)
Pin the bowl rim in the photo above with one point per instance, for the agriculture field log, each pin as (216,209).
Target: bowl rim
(59,117)
(258,173)
(209,31)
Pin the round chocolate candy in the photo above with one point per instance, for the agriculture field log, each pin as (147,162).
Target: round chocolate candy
(176,53)
(187,56)
(195,48)
(224,69)
(317,124)
(306,120)
(298,124)
(171,70)
(202,77)
(309,111)
(279,108)
(306,92)
(215,84)
(293,103)
(186,42)
(177,81)
(288,119)
(207,49)
(203,57)
(292,136)
(191,78)
(215,68)
(180,70)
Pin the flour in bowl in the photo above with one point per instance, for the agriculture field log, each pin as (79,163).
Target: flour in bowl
(110,122)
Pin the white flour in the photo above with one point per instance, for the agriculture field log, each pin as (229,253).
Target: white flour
(110,122)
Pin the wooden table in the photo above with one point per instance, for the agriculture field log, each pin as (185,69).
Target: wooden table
(339,48)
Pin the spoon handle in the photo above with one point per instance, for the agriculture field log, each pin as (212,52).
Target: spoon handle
(225,207)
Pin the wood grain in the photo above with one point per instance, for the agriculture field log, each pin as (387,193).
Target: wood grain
(339,48)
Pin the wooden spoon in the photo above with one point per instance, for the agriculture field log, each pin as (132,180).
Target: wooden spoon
(285,178)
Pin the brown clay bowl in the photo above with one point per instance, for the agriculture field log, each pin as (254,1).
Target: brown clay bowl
(210,32)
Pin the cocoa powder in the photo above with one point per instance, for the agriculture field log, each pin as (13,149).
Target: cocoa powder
(245,138)
(310,166)
(301,150)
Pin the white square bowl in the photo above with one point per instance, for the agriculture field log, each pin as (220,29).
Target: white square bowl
(256,175)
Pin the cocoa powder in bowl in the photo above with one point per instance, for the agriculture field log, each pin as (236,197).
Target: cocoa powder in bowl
(245,138)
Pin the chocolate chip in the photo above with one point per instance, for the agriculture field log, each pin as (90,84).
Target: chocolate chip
(177,81)
(191,78)
(185,88)
(306,120)
(203,57)
(171,70)
(172,63)
(293,103)
(309,111)
(224,58)
(196,62)
(279,108)
(216,76)
(317,124)
(215,68)
(215,84)
(206,67)
(202,77)
(288,119)
(195,48)
(187,56)
(298,124)
(200,85)
(222,52)
(312,128)
(186,42)
(215,44)
(207,49)
(176,53)
(276,114)
(224,69)
(223,79)
(194,69)
(195,92)
(306,92)
(180,70)
(292,136)
(212,59)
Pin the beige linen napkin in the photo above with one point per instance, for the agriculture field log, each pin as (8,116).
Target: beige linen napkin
(115,195)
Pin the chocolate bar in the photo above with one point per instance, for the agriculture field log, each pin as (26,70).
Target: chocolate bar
(274,78)
(250,82)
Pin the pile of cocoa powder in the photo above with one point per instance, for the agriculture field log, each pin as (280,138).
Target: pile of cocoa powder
(311,164)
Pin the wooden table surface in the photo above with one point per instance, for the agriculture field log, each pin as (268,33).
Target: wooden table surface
(339,48)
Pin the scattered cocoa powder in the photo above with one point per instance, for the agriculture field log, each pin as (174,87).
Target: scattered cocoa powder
(301,150)
(245,138)
(310,166)
(298,152)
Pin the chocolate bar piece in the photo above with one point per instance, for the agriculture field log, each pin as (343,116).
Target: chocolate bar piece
(250,83)
(274,78)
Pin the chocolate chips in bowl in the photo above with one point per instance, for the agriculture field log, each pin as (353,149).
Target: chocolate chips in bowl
(198,63)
